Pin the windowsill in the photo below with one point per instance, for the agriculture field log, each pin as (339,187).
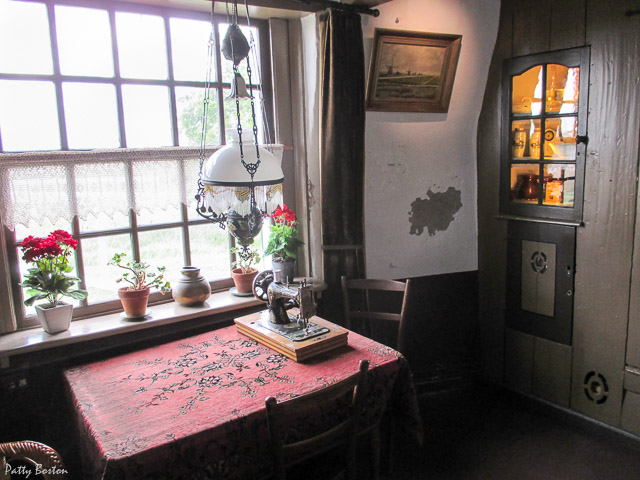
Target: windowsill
(36,339)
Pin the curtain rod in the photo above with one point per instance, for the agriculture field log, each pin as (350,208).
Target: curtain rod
(342,6)
(311,5)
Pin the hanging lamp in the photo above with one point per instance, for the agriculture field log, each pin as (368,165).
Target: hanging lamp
(239,184)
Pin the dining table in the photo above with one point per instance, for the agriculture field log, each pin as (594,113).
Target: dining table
(195,408)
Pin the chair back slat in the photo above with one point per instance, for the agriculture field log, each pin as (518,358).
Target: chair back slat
(375,284)
(352,390)
(365,311)
(393,317)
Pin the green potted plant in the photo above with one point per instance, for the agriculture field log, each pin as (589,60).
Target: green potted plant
(284,242)
(135,296)
(48,279)
(244,271)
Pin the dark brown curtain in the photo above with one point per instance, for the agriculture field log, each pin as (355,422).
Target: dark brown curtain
(342,153)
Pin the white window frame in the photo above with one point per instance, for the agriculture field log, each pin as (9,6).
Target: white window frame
(11,296)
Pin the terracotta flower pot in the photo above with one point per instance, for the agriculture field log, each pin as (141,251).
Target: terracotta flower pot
(134,302)
(243,281)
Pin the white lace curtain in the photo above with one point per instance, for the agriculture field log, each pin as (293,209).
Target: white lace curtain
(60,185)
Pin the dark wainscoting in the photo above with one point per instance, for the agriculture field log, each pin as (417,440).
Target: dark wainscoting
(442,319)
(440,331)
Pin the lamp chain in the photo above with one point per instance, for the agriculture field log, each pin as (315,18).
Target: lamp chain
(251,168)
(200,195)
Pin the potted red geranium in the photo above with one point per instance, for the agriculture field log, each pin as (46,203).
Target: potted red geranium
(284,242)
(48,279)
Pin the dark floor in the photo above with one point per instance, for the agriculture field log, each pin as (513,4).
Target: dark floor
(495,434)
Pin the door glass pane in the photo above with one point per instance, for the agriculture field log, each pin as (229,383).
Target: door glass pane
(210,251)
(524,183)
(28,116)
(526,96)
(227,66)
(560,138)
(559,184)
(525,139)
(91,115)
(142,49)
(101,278)
(147,116)
(25,45)
(189,104)
(162,248)
(246,117)
(562,89)
(84,41)
(189,47)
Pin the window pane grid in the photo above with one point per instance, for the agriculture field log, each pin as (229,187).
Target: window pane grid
(68,79)
(551,118)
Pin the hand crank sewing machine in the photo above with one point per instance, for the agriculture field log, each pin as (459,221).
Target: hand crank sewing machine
(280,298)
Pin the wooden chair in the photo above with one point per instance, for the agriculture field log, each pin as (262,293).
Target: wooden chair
(371,312)
(432,325)
(345,433)
(32,453)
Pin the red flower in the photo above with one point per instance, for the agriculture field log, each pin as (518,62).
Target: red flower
(284,215)
(64,238)
(277,212)
(50,247)
(31,242)
(289,216)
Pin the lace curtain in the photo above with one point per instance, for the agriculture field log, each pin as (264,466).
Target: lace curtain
(60,185)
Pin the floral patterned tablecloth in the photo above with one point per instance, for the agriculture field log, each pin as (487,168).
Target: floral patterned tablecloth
(194,408)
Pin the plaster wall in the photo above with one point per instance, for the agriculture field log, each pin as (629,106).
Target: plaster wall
(409,154)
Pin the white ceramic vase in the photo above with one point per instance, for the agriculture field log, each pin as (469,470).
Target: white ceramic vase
(56,318)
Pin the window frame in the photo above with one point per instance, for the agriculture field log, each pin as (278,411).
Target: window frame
(10,245)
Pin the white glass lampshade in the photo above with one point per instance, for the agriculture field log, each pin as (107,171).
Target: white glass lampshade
(228,184)
(225,167)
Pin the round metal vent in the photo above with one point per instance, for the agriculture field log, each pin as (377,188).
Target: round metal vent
(539,262)
(596,388)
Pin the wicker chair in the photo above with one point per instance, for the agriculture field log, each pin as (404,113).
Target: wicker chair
(41,458)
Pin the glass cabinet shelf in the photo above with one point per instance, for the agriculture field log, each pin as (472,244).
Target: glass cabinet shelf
(544,137)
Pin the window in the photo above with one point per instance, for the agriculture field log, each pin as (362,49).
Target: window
(545,134)
(100,126)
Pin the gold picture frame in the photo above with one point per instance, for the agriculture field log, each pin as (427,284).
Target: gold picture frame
(412,71)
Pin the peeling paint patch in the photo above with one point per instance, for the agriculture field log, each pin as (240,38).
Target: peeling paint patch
(435,213)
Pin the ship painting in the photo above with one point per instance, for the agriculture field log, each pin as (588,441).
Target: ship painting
(409,71)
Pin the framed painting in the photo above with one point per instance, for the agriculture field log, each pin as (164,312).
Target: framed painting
(412,71)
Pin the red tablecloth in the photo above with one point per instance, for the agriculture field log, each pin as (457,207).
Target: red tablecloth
(195,408)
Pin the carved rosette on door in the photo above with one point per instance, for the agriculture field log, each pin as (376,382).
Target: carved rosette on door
(538,277)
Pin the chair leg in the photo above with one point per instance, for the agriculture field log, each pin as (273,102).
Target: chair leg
(375,452)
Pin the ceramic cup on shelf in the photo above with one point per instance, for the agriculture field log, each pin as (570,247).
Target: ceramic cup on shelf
(191,287)
(534,144)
